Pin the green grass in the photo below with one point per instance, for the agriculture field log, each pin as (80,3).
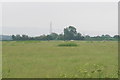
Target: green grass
(45,59)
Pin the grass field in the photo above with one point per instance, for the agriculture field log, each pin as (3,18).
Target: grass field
(45,59)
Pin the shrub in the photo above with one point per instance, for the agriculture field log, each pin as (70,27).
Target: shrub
(69,44)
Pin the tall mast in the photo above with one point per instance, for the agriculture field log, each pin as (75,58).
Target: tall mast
(50,27)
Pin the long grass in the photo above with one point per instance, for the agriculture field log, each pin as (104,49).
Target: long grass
(45,59)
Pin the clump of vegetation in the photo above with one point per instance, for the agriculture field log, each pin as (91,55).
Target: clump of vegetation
(68,44)
(89,71)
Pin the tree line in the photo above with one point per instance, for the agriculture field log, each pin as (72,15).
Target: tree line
(70,33)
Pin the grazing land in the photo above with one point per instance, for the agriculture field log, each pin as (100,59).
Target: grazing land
(46,59)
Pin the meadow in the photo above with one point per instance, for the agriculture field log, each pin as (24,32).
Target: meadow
(46,59)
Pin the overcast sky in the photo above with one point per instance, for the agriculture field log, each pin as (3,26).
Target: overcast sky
(33,18)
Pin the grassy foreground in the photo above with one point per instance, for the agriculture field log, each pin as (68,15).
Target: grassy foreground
(45,59)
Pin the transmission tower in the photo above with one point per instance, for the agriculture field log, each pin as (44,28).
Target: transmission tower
(50,27)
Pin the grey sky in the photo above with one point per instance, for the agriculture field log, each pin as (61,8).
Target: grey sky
(34,18)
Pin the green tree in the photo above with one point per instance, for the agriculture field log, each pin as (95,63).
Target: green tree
(49,37)
(18,37)
(87,37)
(60,37)
(24,37)
(13,37)
(117,37)
(70,33)
(79,37)
(54,36)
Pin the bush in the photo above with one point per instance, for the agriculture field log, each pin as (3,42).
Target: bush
(69,44)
